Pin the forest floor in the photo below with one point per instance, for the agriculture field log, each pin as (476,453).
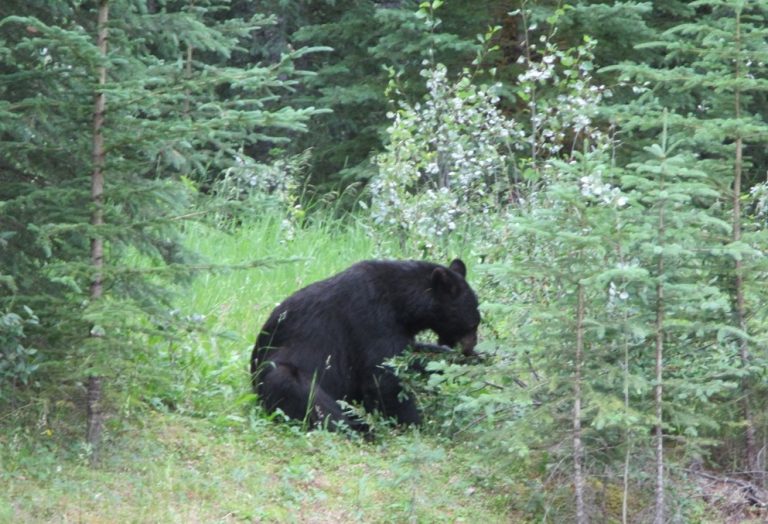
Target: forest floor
(174,468)
(185,443)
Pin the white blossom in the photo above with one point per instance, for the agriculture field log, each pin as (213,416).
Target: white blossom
(443,156)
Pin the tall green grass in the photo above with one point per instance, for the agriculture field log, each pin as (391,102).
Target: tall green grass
(240,299)
(259,263)
(269,259)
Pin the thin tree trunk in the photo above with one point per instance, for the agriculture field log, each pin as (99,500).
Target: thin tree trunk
(658,388)
(94,383)
(750,439)
(628,436)
(658,396)
(97,177)
(188,75)
(532,103)
(578,451)
(94,413)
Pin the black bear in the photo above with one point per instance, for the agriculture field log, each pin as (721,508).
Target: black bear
(327,341)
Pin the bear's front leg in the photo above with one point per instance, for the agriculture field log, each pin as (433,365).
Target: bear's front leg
(383,392)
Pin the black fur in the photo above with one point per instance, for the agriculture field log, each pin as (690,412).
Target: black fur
(327,342)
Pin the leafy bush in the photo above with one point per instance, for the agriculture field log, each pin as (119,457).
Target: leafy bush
(446,167)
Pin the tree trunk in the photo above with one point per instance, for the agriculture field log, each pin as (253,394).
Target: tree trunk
(94,383)
(659,367)
(94,412)
(97,177)
(658,394)
(750,439)
(751,452)
(188,76)
(578,451)
(628,435)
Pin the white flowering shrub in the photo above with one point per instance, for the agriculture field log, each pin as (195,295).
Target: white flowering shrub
(592,185)
(447,163)
(256,186)
(248,178)
(452,160)
(759,202)
(562,100)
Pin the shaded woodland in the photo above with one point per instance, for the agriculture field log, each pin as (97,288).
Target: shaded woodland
(171,170)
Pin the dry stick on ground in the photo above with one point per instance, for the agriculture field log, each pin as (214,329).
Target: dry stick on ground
(751,490)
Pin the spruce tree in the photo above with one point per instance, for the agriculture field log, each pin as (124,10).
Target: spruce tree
(370,43)
(665,187)
(712,81)
(102,150)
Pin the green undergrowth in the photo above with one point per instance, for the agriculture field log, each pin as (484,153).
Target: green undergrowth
(185,440)
(204,368)
(173,468)
(285,259)
(258,264)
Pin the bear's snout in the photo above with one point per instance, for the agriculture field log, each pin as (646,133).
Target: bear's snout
(468,344)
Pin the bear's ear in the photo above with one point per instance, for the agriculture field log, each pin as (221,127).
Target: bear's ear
(458,266)
(445,282)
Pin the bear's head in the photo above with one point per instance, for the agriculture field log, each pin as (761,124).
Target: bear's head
(456,317)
